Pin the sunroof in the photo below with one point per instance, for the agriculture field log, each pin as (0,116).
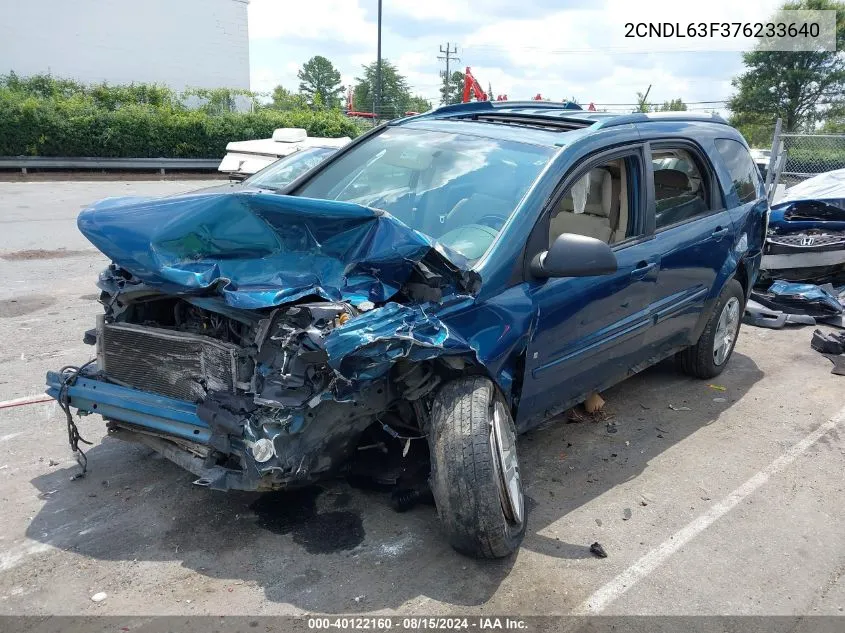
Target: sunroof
(546,121)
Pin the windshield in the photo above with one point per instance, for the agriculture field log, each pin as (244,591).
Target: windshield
(285,170)
(455,188)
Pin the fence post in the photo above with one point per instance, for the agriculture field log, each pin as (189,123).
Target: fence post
(773,158)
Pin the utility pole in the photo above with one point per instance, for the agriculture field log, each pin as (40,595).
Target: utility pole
(377,96)
(643,107)
(448,57)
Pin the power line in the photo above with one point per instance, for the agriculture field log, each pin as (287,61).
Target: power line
(598,49)
(654,104)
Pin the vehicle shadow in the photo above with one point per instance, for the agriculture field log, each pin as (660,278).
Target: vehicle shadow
(336,549)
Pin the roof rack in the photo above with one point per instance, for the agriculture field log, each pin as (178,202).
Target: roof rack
(653,117)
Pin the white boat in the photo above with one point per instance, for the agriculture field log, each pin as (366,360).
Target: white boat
(244,158)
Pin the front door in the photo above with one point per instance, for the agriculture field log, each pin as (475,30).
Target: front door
(590,330)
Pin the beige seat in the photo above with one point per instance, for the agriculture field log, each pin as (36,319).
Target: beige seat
(595,219)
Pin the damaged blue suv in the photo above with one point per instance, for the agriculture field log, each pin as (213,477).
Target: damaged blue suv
(410,305)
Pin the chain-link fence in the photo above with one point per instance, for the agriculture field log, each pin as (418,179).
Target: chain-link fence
(811,154)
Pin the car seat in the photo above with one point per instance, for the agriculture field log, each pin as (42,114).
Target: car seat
(594,220)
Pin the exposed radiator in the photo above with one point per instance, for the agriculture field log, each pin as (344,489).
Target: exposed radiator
(175,364)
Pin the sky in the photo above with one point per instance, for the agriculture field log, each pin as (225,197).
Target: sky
(558,48)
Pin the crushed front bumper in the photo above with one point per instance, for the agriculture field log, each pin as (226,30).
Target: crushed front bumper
(158,413)
(221,449)
(156,421)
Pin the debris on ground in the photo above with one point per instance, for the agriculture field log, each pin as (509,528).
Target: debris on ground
(598,550)
(828,343)
(627,514)
(611,427)
(580,414)
(718,387)
(787,303)
(832,346)
(838,364)
(758,315)
(720,399)
(674,408)
(593,403)
(53,462)
(796,298)
(99,597)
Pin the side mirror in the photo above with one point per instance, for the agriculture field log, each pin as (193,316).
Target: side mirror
(574,256)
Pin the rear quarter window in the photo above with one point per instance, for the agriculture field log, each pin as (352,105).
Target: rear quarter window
(745,177)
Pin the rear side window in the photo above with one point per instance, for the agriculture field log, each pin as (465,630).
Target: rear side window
(680,190)
(745,176)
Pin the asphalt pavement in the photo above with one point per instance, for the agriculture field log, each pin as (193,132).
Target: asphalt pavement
(729,501)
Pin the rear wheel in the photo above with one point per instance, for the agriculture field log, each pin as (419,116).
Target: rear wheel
(475,475)
(709,356)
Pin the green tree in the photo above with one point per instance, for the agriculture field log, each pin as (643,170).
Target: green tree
(319,78)
(834,120)
(675,105)
(641,101)
(285,100)
(797,87)
(395,94)
(452,90)
(419,104)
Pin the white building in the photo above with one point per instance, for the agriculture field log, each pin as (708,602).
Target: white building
(180,43)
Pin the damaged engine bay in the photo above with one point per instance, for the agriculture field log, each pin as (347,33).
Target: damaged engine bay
(256,378)
(279,415)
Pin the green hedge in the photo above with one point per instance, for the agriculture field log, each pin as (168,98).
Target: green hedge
(815,160)
(78,125)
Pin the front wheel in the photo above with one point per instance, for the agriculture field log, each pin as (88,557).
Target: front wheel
(475,475)
(708,357)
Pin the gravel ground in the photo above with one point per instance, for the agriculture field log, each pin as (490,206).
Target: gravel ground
(734,500)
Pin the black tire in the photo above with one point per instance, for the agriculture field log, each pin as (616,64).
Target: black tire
(465,470)
(700,359)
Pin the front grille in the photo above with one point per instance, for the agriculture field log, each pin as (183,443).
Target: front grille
(174,364)
(807,241)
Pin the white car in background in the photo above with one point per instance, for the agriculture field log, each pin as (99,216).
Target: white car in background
(244,158)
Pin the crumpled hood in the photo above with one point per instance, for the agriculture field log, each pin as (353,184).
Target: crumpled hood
(259,250)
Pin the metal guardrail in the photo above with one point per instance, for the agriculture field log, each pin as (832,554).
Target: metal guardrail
(23,163)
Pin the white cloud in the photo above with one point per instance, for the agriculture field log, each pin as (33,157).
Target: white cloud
(562,53)
(338,20)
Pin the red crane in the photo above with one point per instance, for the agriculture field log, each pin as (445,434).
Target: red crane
(472,87)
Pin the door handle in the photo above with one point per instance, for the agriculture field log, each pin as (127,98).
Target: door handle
(720,231)
(642,269)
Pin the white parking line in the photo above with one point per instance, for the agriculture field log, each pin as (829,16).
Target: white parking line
(609,592)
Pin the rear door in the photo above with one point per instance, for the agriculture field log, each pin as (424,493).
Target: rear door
(590,330)
(693,232)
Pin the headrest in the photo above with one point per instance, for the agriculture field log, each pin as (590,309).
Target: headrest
(600,196)
(669,183)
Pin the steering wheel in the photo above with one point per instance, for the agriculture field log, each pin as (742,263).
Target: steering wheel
(495,222)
